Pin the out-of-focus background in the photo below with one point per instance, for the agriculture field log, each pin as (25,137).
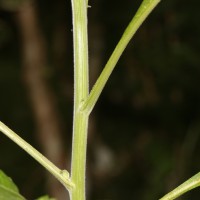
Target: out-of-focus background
(144,133)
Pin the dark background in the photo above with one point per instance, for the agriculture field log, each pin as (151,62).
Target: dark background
(144,131)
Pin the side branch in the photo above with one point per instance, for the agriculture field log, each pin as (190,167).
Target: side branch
(188,185)
(61,175)
(144,10)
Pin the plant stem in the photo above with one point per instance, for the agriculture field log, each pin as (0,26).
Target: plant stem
(188,185)
(81,90)
(83,103)
(61,175)
(144,10)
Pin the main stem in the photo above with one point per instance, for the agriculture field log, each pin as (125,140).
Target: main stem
(81,90)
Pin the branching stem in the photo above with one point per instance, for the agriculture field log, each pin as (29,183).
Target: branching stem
(84,102)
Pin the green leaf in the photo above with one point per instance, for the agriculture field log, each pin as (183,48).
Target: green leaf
(8,190)
(46,197)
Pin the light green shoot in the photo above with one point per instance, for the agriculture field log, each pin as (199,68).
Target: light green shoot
(61,175)
(188,185)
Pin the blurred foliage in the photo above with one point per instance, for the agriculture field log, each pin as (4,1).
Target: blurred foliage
(148,115)
(11,4)
(45,198)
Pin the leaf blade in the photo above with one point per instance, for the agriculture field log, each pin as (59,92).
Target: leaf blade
(8,189)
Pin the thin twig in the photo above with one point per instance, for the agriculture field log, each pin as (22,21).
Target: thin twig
(61,175)
(144,10)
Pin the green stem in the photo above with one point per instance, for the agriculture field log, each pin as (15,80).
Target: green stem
(81,90)
(61,175)
(188,185)
(144,10)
